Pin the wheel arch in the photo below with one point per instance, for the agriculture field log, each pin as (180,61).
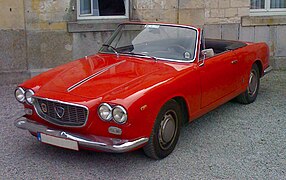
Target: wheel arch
(184,108)
(260,68)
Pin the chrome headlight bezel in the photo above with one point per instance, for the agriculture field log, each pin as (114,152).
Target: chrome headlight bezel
(116,113)
(119,114)
(29,96)
(21,92)
(100,113)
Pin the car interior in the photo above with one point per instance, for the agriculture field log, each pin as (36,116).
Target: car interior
(220,46)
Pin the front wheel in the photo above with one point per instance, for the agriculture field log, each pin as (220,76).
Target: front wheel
(251,92)
(165,133)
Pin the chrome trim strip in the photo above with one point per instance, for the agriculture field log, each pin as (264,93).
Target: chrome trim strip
(123,110)
(23,92)
(92,142)
(92,76)
(58,101)
(268,70)
(32,92)
(110,109)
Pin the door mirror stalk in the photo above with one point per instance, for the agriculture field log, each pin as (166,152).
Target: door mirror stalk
(206,53)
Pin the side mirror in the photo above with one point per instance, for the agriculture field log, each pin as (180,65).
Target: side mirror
(208,53)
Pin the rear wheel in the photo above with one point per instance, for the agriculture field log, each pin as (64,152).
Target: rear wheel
(251,92)
(165,133)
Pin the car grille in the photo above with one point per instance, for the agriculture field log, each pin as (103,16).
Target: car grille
(61,113)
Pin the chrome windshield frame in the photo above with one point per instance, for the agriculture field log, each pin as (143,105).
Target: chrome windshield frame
(160,24)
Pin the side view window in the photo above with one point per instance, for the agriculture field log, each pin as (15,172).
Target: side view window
(103,9)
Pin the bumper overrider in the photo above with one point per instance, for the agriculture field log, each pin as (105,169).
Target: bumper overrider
(89,142)
(268,70)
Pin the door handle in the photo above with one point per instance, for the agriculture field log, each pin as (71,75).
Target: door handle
(234,62)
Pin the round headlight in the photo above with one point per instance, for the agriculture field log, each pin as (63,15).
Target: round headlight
(29,96)
(119,114)
(104,112)
(20,94)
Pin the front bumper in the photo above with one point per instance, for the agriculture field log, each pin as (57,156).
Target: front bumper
(90,142)
(268,70)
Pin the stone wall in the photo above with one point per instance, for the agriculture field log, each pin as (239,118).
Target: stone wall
(225,11)
(41,34)
(48,42)
(155,10)
(196,12)
(13,50)
(34,37)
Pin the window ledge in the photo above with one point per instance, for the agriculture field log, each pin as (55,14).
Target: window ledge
(94,25)
(263,20)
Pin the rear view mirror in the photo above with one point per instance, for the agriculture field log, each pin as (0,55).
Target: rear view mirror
(208,53)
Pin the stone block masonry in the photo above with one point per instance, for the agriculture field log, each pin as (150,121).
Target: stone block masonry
(274,36)
(40,34)
(33,36)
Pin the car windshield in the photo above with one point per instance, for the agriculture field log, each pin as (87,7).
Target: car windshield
(164,42)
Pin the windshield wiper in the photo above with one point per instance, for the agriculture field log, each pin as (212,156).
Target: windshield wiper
(112,48)
(140,54)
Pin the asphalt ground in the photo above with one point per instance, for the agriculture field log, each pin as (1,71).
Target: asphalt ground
(232,142)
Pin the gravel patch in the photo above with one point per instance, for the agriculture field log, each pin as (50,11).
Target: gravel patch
(232,142)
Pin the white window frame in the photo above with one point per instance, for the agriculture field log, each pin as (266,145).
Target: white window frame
(91,17)
(267,11)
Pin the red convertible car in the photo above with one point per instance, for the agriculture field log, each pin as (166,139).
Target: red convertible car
(145,82)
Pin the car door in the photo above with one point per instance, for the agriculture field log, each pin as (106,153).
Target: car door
(218,77)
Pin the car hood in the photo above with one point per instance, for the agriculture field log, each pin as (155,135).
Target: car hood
(102,74)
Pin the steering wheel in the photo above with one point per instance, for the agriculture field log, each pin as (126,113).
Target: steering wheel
(177,48)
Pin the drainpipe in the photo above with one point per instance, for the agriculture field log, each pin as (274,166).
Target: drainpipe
(178,12)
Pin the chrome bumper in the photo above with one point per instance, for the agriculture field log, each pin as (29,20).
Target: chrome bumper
(268,70)
(90,142)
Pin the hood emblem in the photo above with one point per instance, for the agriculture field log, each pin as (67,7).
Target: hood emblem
(44,107)
(60,111)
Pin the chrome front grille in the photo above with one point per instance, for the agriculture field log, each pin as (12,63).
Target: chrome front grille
(61,113)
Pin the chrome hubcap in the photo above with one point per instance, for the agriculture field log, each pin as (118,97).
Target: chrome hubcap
(168,129)
(252,83)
